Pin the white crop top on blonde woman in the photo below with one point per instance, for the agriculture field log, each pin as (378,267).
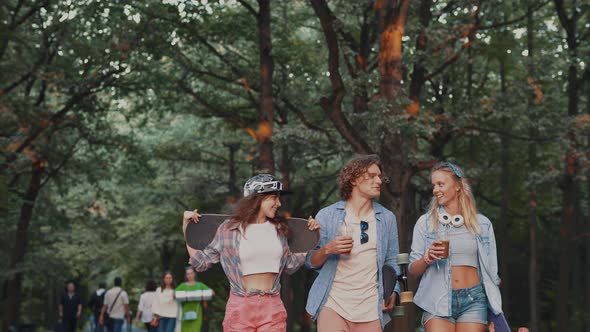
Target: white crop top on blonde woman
(260,249)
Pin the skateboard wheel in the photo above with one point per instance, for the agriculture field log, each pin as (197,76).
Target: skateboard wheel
(406,297)
(403,259)
(399,311)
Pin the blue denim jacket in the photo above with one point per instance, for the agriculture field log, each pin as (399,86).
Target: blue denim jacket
(434,293)
(330,219)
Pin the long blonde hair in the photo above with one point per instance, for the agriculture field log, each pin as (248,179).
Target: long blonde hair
(467,206)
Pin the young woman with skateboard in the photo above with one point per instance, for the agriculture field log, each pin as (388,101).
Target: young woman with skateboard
(253,250)
(454,250)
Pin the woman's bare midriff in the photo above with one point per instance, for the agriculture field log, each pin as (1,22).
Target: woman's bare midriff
(464,276)
(259,281)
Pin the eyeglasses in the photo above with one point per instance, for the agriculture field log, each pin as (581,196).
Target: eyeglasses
(364,229)
(373,176)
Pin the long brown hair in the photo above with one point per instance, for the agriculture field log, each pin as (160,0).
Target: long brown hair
(246,211)
(163,284)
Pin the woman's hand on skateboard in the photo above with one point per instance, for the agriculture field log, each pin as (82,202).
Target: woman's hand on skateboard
(190,216)
(386,306)
(313,224)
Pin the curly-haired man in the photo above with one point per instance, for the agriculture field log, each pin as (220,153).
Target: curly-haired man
(358,237)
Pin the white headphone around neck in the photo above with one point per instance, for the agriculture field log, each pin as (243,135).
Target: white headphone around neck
(446,219)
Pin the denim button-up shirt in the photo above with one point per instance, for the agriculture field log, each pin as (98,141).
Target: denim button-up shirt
(330,219)
(434,294)
(225,248)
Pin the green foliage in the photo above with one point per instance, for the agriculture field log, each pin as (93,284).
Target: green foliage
(137,105)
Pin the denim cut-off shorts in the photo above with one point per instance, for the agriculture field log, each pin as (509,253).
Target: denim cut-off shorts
(470,305)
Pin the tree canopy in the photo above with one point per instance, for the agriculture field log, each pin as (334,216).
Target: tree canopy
(115,116)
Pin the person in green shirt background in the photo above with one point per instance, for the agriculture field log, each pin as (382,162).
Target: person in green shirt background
(192,311)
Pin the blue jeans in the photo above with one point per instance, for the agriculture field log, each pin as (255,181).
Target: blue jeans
(470,305)
(150,328)
(116,324)
(166,324)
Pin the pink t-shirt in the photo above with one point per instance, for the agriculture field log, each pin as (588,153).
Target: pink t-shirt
(355,293)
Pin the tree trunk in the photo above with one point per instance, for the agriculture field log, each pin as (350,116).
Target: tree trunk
(570,198)
(286,280)
(569,202)
(505,205)
(234,191)
(587,243)
(265,126)
(472,150)
(398,195)
(14,283)
(332,105)
(392,23)
(286,178)
(532,161)
(419,73)
(587,247)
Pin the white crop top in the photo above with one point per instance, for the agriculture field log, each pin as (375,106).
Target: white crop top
(260,249)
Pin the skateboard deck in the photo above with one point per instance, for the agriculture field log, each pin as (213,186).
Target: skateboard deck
(500,323)
(389,281)
(199,235)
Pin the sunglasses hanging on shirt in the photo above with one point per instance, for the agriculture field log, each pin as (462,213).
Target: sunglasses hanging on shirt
(364,229)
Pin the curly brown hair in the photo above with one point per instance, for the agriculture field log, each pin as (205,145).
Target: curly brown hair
(246,211)
(354,169)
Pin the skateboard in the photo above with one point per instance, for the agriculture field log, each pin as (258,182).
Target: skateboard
(500,323)
(389,281)
(199,235)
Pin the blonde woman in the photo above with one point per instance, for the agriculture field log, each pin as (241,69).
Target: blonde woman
(459,283)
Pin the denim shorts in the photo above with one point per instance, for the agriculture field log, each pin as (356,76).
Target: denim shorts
(470,305)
